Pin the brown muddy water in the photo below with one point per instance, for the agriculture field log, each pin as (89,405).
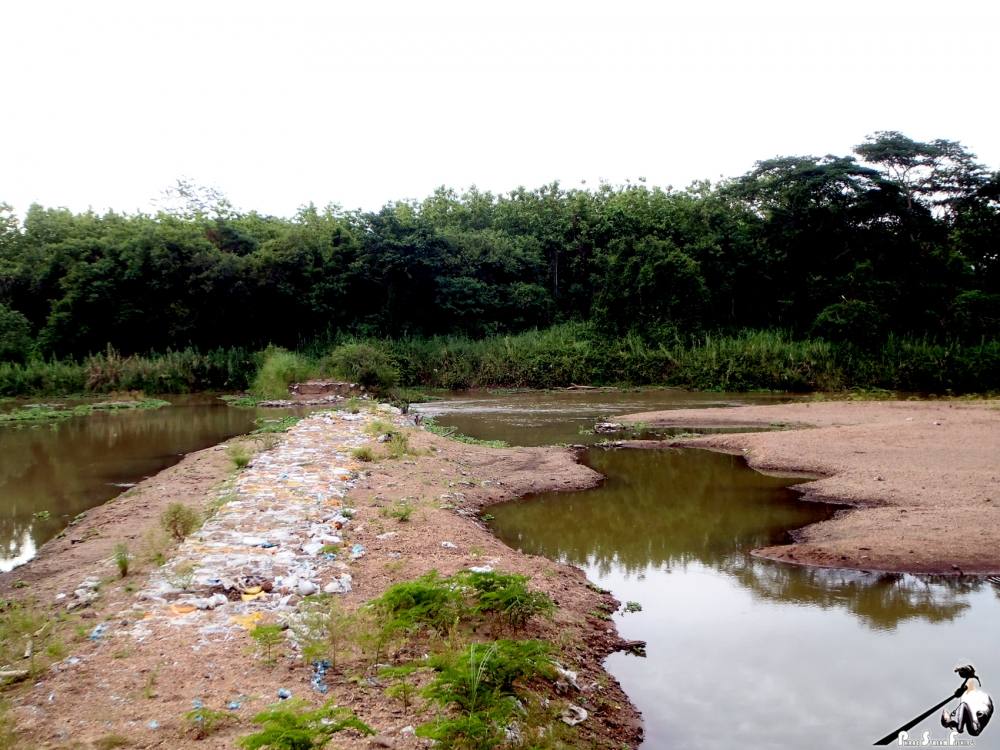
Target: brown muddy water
(51,472)
(741,651)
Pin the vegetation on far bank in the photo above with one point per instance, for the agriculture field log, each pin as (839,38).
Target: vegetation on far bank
(877,269)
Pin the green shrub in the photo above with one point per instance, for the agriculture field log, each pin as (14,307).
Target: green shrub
(363,453)
(479,684)
(179,520)
(239,455)
(294,725)
(506,600)
(267,638)
(364,363)
(280,368)
(204,722)
(427,602)
(122,558)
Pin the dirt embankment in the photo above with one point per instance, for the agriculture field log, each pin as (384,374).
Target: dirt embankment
(923,478)
(138,688)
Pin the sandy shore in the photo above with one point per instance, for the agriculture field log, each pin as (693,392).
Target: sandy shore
(922,478)
(155,657)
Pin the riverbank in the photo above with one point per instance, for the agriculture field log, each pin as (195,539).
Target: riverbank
(921,478)
(147,648)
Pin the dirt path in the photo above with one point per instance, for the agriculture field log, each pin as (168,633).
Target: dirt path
(923,477)
(166,639)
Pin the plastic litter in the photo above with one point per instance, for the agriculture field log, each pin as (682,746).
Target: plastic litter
(339,585)
(357,551)
(284,694)
(573,715)
(197,703)
(234,705)
(98,632)
(320,668)
(153,724)
(481,568)
(449,545)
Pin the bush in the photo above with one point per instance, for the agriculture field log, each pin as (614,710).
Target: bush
(179,520)
(852,320)
(506,599)
(239,455)
(293,725)
(429,601)
(280,368)
(365,364)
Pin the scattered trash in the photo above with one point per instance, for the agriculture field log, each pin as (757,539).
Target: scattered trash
(573,715)
(306,588)
(153,724)
(357,551)
(339,585)
(567,679)
(197,703)
(234,705)
(387,535)
(284,694)
(320,668)
(481,568)
(449,545)
(98,632)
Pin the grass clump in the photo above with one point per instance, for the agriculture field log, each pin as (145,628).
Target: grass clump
(179,520)
(268,426)
(429,602)
(280,368)
(479,685)
(363,453)
(122,558)
(432,426)
(323,629)
(239,454)
(294,725)
(401,511)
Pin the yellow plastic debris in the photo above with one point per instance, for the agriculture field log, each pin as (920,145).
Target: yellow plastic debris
(249,621)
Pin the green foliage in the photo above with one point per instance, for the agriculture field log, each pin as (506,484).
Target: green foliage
(506,599)
(204,722)
(281,424)
(239,454)
(293,725)
(364,363)
(429,602)
(323,629)
(402,689)
(279,369)
(363,453)
(267,638)
(15,335)
(179,520)
(35,413)
(122,558)
(401,511)
(479,684)
(432,426)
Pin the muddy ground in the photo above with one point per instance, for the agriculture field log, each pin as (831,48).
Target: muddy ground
(921,479)
(112,689)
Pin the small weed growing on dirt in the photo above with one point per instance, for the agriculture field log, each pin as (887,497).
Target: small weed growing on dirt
(401,511)
(353,405)
(268,426)
(323,629)
(427,602)
(179,520)
(267,637)
(379,427)
(239,455)
(329,549)
(204,722)
(294,725)
(149,688)
(363,453)
(122,558)
(402,688)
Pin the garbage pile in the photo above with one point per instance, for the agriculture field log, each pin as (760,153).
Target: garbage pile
(284,534)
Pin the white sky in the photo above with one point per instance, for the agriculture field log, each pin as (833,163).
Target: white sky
(280,103)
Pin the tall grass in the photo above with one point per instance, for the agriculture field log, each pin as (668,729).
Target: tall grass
(558,356)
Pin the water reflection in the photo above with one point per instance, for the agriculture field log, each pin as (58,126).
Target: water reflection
(49,473)
(789,656)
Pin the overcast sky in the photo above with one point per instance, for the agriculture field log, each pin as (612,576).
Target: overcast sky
(280,103)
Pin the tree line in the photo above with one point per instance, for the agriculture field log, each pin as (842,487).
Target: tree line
(898,238)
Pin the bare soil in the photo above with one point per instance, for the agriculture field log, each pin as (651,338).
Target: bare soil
(921,478)
(119,686)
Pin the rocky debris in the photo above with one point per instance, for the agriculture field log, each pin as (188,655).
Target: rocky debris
(608,427)
(277,540)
